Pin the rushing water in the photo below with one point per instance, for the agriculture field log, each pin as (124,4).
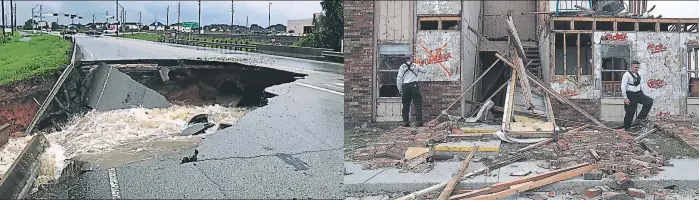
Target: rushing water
(111,138)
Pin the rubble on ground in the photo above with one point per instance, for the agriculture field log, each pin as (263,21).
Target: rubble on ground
(683,128)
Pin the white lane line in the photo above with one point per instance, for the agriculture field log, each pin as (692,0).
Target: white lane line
(339,84)
(333,86)
(91,56)
(320,88)
(113,183)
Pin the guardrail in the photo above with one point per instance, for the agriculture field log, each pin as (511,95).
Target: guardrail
(281,50)
(20,177)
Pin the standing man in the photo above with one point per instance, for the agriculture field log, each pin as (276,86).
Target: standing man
(633,93)
(407,83)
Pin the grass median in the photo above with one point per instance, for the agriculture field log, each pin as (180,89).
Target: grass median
(41,55)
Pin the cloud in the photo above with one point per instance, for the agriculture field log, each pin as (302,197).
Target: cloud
(213,12)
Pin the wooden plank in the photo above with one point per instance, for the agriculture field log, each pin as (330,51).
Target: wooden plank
(438,18)
(636,26)
(572,31)
(578,57)
(564,58)
(455,179)
(594,25)
(535,184)
(505,185)
(531,127)
(550,111)
(614,26)
(552,56)
(556,95)
(4,126)
(532,146)
(508,105)
(571,25)
(620,19)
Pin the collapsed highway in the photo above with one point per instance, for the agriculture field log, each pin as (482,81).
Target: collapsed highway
(126,128)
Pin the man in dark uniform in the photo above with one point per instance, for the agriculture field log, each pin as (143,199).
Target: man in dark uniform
(633,92)
(407,83)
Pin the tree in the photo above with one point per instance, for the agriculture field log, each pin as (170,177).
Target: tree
(54,26)
(29,24)
(328,30)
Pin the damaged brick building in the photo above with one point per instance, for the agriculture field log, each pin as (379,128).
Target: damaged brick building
(442,35)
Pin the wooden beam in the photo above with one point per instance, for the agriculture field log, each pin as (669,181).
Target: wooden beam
(571,25)
(657,27)
(615,26)
(572,31)
(620,19)
(594,25)
(504,185)
(636,26)
(538,183)
(547,88)
(439,18)
(451,184)
(564,59)
(552,56)
(578,56)
(550,111)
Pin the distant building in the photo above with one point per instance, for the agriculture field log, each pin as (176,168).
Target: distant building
(299,27)
(156,26)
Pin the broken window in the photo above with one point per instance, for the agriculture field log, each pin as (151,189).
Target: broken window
(439,23)
(616,61)
(391,57)
(573,50)
(693,72)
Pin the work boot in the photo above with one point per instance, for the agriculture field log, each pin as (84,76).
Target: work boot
(406,124)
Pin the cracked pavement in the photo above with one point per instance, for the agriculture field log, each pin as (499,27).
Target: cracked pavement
(291,148)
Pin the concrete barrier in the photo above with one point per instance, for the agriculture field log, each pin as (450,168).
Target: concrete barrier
(292,51)
(20,177)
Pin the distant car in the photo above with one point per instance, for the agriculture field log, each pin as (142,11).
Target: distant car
(69,32)
(94,33)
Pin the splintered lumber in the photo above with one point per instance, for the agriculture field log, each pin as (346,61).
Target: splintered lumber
(470,174)
(524,83)
(511,187)
(451,184)
(553,93)
(548,140)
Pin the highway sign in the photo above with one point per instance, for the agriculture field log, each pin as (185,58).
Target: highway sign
(190,24)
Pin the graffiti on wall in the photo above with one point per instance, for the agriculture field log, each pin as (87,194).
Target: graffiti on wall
(568,92)
(614,37)
(656,83)
(437,56)
(692,42)
(656,48)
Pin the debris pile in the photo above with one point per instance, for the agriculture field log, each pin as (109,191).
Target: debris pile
(391,150)
(684,128)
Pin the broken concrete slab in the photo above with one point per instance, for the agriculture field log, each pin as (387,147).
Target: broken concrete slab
(462,148)
(196,129)
(111,89)
(413,152)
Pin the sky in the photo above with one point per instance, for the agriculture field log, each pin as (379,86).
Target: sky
(213,12)
(219,12)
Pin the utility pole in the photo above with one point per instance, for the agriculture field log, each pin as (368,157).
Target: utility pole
(199,16)
(269,16)
(12,18)
(179,26)
(41,14)
(167,16)
(140,26)
(232,14)
(3,19)
(246,25)
(116,17)
(107,18)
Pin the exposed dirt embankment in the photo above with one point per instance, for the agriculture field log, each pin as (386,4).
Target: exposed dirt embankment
(17,101)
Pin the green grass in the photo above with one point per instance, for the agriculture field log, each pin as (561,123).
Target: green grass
(149,37)
(41,55)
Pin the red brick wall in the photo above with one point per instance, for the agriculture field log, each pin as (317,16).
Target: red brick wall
(437,96)
(359,39)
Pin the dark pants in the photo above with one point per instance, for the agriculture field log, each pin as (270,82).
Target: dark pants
(411,93)
(637,98)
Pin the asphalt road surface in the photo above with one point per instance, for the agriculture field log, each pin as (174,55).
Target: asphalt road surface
(291,148)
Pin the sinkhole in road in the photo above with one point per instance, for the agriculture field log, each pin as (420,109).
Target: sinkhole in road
(111,113)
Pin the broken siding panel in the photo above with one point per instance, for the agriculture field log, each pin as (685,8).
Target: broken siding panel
(439,51)
(439,7)
(494,17)
(395,22)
